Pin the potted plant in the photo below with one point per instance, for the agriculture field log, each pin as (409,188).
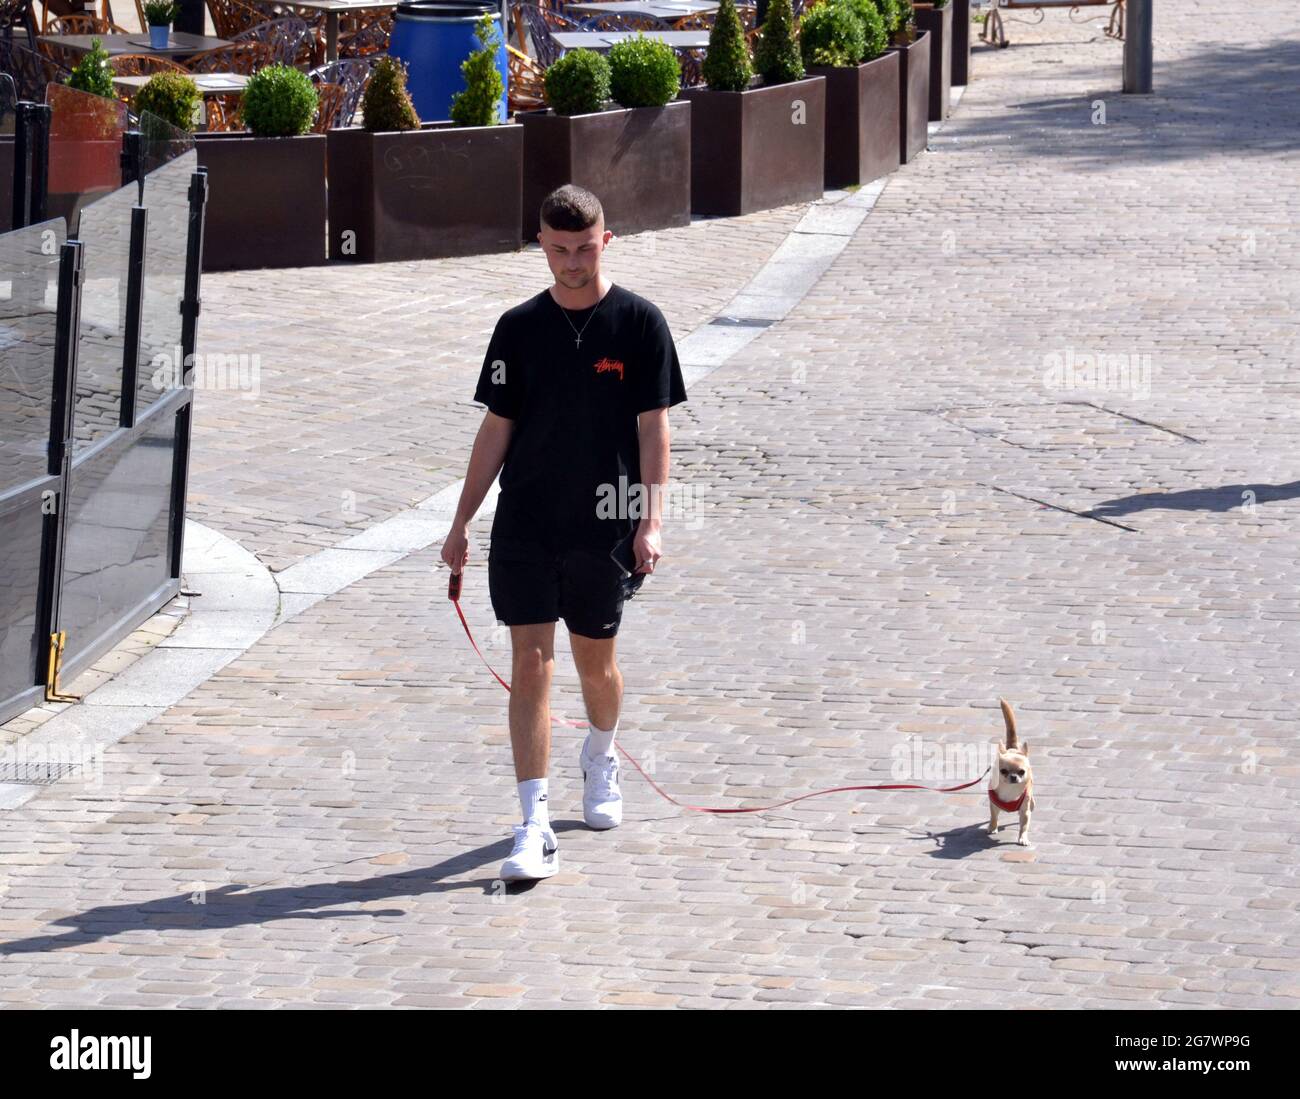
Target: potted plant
(173,97)
(757,140)
(401,189)
(160,15)
(266,188)
(935,16)
(85,159)
(635,157)
(913,51)
(846,42)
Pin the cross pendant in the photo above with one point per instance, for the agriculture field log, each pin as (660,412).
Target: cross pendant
(577,342)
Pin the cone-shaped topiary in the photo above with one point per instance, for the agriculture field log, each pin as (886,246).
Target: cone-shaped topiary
(387,105)
(831,34)
(875,36)
(279,102)
(643,72)
(776,55)
(727,66)
(480,103)
(93,73)
(578,83)
(173,97)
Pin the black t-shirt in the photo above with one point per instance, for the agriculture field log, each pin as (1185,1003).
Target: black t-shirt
(574,454)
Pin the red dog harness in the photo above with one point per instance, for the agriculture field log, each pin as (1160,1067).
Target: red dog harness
(1009,806)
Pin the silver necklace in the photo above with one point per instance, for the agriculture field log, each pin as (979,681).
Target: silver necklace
(579,331)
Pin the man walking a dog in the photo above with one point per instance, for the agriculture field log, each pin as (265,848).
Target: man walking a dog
(577,381)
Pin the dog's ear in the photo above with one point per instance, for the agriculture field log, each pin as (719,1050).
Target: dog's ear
(1024,749)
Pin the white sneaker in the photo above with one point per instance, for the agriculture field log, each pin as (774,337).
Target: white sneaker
(536,854)
(602,803)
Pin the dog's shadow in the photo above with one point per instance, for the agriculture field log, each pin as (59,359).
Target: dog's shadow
(971,839)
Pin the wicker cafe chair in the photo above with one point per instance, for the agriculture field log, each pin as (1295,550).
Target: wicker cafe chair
(31,69)
(244,58)
(364,33)
(85,24)
(622,22)
(16,15)
(692,63)
(142,64)
(285,36)
(329,105)
(352,74)
(222,113)
(231,18)
(538,23)
(527,89)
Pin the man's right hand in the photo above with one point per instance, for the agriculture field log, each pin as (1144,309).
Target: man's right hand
(455,550)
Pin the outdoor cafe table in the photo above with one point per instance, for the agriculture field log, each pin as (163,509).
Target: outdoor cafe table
(602,40)
(333,9)
(661,9)
(179,44)
(208,83)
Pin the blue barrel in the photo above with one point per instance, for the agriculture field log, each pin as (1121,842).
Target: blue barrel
(433,37)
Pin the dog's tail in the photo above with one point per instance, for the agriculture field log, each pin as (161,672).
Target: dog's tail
(1007,716)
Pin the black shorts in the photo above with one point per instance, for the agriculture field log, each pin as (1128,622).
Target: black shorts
(531,582)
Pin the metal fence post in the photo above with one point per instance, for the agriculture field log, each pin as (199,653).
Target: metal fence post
(1137,47)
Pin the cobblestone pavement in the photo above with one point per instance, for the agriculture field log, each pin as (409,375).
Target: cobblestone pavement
(904,520)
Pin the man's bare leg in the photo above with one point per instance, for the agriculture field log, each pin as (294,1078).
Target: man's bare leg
(602,682)
(533,665)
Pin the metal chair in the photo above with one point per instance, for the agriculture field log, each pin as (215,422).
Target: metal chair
(330,99)
(30,69)
(527,85)
(626,22)
(244,58)
(17,15)
(285,36)
(231,18)
(84,24)
(538,23)
(352,74)
(366,33)
(142,64)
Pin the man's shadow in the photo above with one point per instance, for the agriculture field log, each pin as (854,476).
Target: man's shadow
(229,906)
(1224,498)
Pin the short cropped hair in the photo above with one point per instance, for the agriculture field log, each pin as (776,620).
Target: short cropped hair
(571,209)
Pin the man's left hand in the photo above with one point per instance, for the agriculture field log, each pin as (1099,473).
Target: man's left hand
(646,548)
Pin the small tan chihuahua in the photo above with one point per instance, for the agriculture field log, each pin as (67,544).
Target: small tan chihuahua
(1012,787)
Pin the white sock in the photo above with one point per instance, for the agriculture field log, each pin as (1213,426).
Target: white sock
(532,796)
(600,742)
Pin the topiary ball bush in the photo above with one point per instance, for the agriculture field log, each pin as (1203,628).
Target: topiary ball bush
(578,83)
(173,97)
(279,102)
(643,72)
(876,37)
(831,34)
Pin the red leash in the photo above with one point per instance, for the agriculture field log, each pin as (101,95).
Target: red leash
(453,593)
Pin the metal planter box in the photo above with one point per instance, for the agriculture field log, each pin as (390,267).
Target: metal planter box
(266,201)
(637,161)
(756,149)
(441,190)
(914,96)
(938,21)
(862,120)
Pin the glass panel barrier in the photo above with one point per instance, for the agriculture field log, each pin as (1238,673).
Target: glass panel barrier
(29,288)
(8,121)
(169,161)
(85,151)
